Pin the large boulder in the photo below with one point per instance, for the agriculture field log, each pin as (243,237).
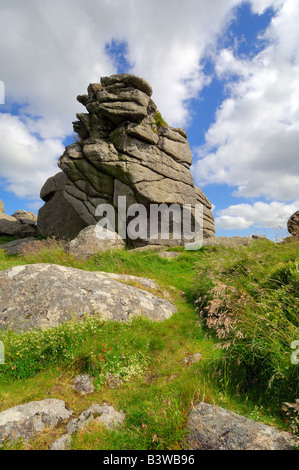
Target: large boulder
(214,428)
(57,217)
(2,209)
(25,217)
(293,224)
(124,149)
(25,421)
(45,295)
(9,225)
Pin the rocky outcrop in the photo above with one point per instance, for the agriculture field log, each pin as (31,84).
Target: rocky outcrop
(87,243)
(21,224)
(57,217)
(25,421)
(293,225)
(228,241)
(105,415)
(124,149)
(45,295)
(214,428)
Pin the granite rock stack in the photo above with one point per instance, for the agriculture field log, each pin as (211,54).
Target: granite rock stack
(124,148)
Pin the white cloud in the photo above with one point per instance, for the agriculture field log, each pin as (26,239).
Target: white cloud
(25,161)
(59,49)
(259,215)
(228,222)
(51,50)
(253,143)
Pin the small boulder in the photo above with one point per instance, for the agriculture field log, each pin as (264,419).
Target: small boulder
(106,415)
(214,428)
(113,381)
(91,240)
(192,359)
(62,443)
(83,384)
(2,209)
(25,421)
(293,225)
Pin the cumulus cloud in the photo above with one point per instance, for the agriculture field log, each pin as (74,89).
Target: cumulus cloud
(253,144)
(51,50)
(259,215)
(25,160)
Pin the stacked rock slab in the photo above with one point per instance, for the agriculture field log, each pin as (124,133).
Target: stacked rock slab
(21,224)
(124,149)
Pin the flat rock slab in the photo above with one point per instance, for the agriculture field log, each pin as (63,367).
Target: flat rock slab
(228,241)
(44,295)
(214,428)
(15,247)
(25,421)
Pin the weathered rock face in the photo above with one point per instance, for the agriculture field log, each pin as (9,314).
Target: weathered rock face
(105,415)
(25,421)
(57,217)
(293,224)
(228,241)
(15,247)
(214,428)
(125,149)
(45,295)
(20,224)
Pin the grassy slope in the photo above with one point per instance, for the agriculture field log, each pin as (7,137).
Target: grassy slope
(157,389)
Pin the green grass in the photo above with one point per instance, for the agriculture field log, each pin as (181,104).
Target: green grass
(159,121)
(250,299)
(157,389)
(7,239)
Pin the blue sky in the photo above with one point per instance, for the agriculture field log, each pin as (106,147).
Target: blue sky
(225,71)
